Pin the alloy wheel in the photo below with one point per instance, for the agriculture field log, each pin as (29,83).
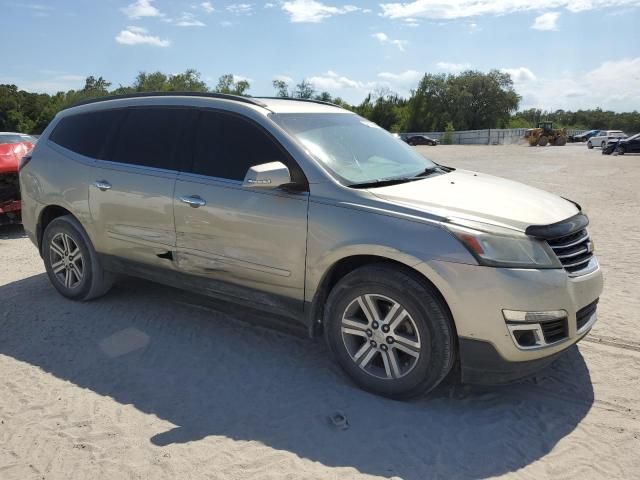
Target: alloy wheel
(380,336)
(67,262)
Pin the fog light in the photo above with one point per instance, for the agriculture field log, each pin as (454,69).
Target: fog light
(533,330)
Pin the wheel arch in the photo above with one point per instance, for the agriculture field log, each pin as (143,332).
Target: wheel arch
(346,265)
(46,216)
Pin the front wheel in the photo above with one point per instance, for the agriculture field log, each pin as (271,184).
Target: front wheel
(603,144)
(389,331)
(589,145)
(71,262)
(620,150)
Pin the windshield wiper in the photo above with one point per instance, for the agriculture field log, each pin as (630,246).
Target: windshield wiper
(384,182)
(427,171)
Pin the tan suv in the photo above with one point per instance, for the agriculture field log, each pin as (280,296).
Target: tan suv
(312,212)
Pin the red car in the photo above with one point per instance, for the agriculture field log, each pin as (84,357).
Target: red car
(13,146)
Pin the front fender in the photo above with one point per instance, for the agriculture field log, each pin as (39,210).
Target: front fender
(337,232)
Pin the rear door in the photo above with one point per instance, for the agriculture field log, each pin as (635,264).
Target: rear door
(131,189)
(245,243)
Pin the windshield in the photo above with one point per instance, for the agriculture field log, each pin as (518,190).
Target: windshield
(354,150)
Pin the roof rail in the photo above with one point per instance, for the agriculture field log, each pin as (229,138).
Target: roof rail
(308,100)
(223,96)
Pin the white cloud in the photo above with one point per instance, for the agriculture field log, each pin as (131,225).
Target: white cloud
(453,67)
(207,7)
(383,38)
(355,90)
(284,78)
(240,8)
(614,85)
(405,80)
(332,81)
(241,78)
(188,20)
(520,74)
(439,9)
(140,36)
(546,21)
(141,8)
(312,11)
(269,5)
(51,82)
(226,24)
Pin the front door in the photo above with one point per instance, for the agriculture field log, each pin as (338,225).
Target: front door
(247,244)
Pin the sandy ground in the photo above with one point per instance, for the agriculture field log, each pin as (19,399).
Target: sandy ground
(150,382)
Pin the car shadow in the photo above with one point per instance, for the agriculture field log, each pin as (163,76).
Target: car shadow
(168,353)
(11,232)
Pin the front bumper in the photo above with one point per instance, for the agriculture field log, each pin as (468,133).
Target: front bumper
(481,364)
(478,295)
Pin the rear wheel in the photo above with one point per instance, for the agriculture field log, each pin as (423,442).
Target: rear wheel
(389,332)
(603,144)
(71,262)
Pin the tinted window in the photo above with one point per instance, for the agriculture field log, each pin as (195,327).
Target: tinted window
(226,146)
(150,136)
(87,133)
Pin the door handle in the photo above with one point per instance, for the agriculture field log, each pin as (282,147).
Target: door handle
(103,185)
(193,201)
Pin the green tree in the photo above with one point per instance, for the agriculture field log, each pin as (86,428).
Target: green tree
(304,90)
(228,84)
(189,81)
(281,87)
(447,138)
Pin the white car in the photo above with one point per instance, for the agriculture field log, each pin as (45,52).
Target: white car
(603,138)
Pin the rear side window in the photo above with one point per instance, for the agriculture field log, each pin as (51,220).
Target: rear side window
(150,136)
(87,133)
(226,146)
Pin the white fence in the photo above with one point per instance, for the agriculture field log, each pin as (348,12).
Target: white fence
(492,136)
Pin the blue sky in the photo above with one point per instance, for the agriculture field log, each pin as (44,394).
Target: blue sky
(561,53)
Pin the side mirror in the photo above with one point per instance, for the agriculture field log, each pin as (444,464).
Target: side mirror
(267,176)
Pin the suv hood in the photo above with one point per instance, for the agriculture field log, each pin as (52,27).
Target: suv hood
(481,198)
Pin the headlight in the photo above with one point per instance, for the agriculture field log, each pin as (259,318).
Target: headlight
(510,250)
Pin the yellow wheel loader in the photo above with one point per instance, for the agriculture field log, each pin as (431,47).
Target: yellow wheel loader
(545,135)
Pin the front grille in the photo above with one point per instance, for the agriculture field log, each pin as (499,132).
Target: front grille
(584,314)
(555,330)
(574,250)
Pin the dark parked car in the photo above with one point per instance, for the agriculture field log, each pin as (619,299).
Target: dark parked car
(584,136)
(622,146)
(421,140)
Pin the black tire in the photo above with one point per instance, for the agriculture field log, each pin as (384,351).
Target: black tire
(620,150)
(95,281)
(589,145)
(603,144)
(427,311)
